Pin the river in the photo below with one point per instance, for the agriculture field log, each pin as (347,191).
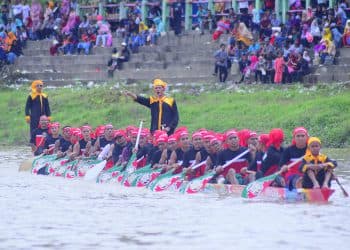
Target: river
(41,212)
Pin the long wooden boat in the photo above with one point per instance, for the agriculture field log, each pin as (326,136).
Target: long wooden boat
(77,169)
(275,193)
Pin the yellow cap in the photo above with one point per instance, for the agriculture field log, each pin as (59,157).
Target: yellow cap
(159,82)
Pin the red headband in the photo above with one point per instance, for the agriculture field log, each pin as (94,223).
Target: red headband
(300,130)
(86,127)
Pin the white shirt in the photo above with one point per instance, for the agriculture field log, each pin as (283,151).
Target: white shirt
(25,12)
(243,4)
(17,9)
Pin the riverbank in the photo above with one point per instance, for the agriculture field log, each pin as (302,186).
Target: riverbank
(323,109)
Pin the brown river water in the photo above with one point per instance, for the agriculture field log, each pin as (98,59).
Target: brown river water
(41,212)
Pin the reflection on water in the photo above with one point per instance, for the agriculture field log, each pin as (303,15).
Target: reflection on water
(40,212)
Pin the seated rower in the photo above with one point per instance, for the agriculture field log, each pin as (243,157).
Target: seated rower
(261,149)
(116,150)
(52,138)
(232,173)
(192,157)
(143,147)
(106,139)
(177,156)
(154,144)
(64,145)
(273,155)
(84,146)
(39,135)
(160,158)
(316,167)
(293,176)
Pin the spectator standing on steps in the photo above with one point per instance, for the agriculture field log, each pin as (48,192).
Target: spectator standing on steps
(221,63)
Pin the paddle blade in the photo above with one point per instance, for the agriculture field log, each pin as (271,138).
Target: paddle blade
(255,188)
(92,173)
(26,165)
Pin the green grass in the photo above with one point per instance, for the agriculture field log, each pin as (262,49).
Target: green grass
(323,109)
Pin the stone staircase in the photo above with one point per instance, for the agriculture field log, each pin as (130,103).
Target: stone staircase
(184,59)
(175,59)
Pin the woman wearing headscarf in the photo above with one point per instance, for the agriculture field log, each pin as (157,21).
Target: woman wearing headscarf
(346,34)
(37,105)
(279,68)
(316,167)
(244,35)
(35,14)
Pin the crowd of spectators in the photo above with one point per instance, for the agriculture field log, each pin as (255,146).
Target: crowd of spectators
(59,22)
(262,49)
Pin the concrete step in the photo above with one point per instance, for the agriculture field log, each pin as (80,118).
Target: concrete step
(329,78)
(345,52)
(62,68)
(58,60)
(92,75)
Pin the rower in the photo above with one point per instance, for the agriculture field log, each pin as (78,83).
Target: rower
(39,135)
(316,167)
(53,138)
(274,152)
(232,173)
(293,176)
(121,144)
(64,145)
(177,156)
(160,158)
(106,139)
(84,146)
(192,157)
(259,142)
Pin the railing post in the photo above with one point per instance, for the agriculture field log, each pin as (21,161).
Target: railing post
(234,5)
(284,10)
(257,4)
(165,14)
(188,15)
(211,6)
(307,4)
(122,10)
(100,7)
(143,10)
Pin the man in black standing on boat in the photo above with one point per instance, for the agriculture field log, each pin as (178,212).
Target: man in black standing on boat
(37,105)
(164,113)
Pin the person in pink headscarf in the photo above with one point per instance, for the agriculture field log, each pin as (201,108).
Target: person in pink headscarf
(35,14)
(103,34)
(72,21)
(279,66)
(65,6)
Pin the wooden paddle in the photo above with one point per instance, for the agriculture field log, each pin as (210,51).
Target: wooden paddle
(256,187)
(93,172)
(27,164)
(340,185)
(200,182)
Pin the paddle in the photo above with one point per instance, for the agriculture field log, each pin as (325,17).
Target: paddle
(92,173)
(27,164)
(199,183)
(124,169)
(341,186)
(255,188)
